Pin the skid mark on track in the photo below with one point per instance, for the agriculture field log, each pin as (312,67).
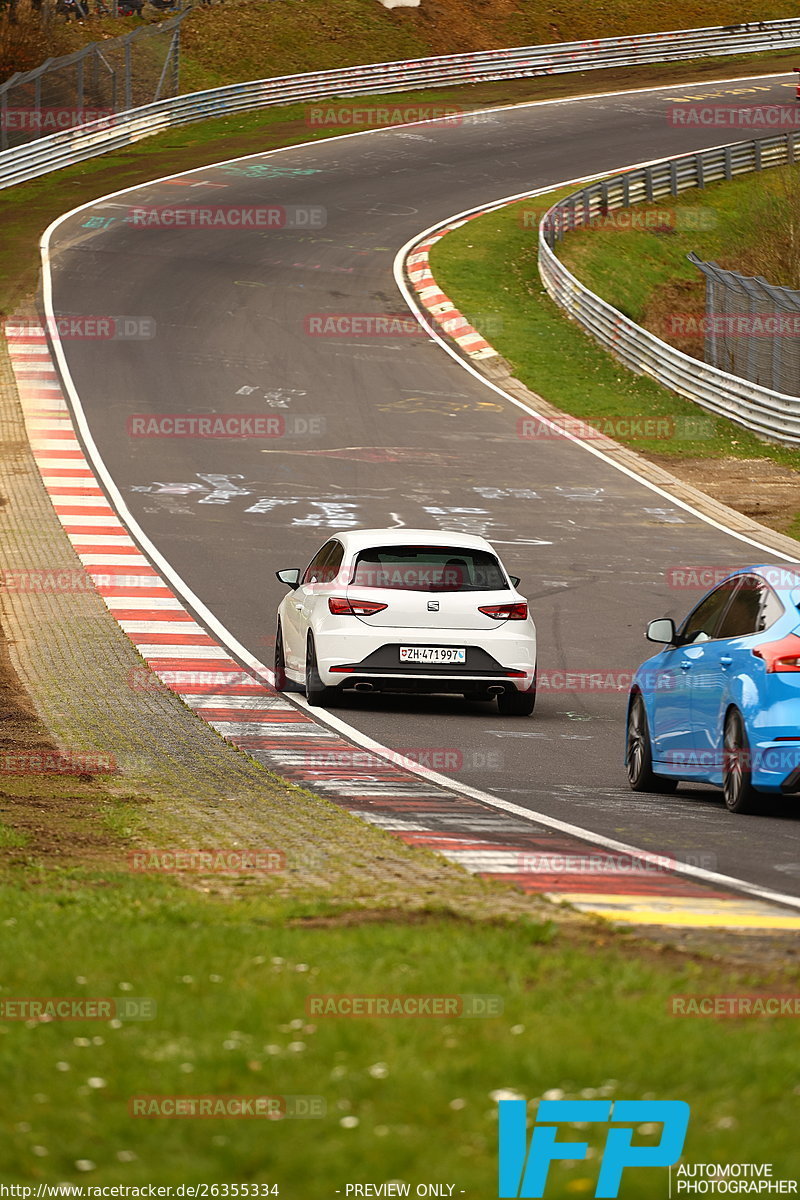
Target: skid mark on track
(185,658)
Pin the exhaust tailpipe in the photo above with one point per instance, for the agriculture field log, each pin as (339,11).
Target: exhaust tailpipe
(363,687)
(496,689)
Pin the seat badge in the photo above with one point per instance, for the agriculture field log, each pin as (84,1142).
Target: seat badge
(433,606)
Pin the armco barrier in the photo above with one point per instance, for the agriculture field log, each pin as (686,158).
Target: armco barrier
(772,415)
(72,146)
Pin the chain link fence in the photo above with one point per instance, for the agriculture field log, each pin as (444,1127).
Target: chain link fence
(96,81)
(752,329)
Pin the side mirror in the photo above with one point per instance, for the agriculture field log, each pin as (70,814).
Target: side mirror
(662,631)
(291,577)
(515,580)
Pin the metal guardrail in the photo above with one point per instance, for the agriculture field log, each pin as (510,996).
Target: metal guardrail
(773,415)
(112,133)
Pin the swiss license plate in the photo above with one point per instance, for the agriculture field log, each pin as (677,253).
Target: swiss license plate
(432,654)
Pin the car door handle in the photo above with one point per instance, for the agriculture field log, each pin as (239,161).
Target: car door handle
(725,660)
(685,664)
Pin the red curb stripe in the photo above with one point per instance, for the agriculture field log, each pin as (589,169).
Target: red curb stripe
(207,665)
(179,616)
(143,592)
(135,571)
(171,639)
(85,548)
(303,750)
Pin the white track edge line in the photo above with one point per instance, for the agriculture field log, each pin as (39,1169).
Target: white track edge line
(420,313)
(227,638)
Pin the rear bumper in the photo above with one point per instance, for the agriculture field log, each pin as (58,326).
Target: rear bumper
(480,686)
(380,668)
(774,767)
(791,783)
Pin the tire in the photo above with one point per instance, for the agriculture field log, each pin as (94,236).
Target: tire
(737,782)
(281,679)
(517,704)
(317,694)
(639,753)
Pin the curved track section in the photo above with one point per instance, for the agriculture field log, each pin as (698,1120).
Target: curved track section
(390,431)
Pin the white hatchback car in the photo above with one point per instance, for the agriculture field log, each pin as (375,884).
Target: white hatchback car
(406,610)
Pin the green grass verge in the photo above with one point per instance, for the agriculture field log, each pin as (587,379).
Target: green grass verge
(720,222)
(11,839)
(231,980)
(27,209)
(580,1011)
(253,39)
(489,267)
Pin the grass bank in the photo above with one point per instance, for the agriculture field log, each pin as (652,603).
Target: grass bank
(749,225)
(251,39)
(231,969)
(489,266)
(232,981)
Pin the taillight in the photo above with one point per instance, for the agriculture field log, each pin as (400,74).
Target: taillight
(340,606)
(505,612)
(780,656)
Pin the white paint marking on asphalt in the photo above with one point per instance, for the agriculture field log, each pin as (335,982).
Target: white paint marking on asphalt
(223,700)
(212,653)
(73,522)
(393,824)
(411,301)
(67,465)
(227,638)
(115,560)
(145,603)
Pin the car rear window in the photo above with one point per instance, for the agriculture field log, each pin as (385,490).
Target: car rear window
(429,569)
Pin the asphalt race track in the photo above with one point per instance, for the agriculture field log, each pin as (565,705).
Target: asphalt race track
(393,431)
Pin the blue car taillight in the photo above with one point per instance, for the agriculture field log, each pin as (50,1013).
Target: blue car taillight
(780,656)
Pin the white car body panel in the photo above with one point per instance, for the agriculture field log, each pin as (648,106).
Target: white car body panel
(413,618)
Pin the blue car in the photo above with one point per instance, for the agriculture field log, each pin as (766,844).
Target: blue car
(720,703)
